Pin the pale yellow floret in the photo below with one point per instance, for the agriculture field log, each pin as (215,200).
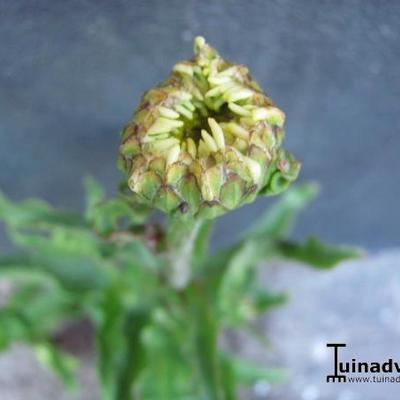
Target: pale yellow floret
(168,113)
(229,71)
(191,147)
(173,154)
(217,132)
(254,168)
(154,138)
(203,149)
(184,111)
(219,79)
(162,145)
(199,42)
(218,90)
(235,129)
(239,110)
(209,141)
(164,125)
(239,94)
(271,114)
(183,69)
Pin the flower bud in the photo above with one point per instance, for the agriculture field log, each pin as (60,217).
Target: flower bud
(205,141)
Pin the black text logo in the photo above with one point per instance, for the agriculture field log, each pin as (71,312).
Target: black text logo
(356,371)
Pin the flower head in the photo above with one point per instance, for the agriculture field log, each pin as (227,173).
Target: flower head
(206,140)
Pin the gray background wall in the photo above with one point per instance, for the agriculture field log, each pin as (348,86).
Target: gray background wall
(71,73)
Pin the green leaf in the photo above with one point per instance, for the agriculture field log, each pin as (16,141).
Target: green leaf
(136,253)
(167,341)
(139,282)
(206,337)
(109,341)
(248,372)
(200,243)
(63,364)
(239,282)
(133,359)
(215,264)
(13,327)
(109,214)
(119,348)
(74,241)
(73,272)
(35,311)
(183,332)
(316,253)
(37,214)
(171,345)
(258,243)
(263,299)
(37,225)
(228,379)
(94,194)
(235,283)
(279,219)
(166,376)
(240,298)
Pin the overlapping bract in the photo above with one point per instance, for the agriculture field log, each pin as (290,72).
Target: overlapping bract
(205,141)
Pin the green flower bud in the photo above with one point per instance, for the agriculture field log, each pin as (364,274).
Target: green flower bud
(206,140)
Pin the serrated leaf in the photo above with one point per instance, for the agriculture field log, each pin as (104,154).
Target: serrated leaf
(94,194)
(238,277)
(263,299)
(200,243)
(135,252)
(109,341)
(108,214)
(274,224)
(228,379)
(278,219)
(120,352)
(34,312)
(37,214)
(138,282)
(240,296)
(73,272)
(258,243)
(248,372)
(65,240)
(13,327)
(133,359)
(215,264)
(316,253)
(205,342)
(181,335)
(168,343)
(64,365)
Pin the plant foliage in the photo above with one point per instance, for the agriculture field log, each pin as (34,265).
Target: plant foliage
(154,339)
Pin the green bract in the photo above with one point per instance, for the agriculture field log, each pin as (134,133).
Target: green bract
(206,140)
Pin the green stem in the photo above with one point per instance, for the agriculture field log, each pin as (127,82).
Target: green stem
(119,348)
(187,243)
(205,341)
(181,237)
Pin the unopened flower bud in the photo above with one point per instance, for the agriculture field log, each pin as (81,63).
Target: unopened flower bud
(207,140)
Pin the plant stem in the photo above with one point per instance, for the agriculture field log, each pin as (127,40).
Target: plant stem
(181,237)
(205,341)
(186,241)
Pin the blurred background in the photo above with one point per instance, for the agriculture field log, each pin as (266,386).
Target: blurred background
(72,72)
